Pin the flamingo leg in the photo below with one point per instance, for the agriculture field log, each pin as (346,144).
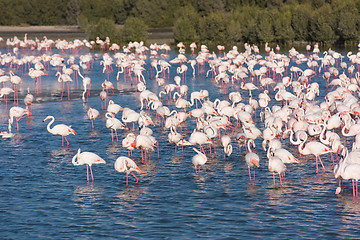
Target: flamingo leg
(68,91)
(62,141)
(69,144)
(274,179)
(117,139)
(142,156)
(249,175)
(87,172)
(322,164)
(17,125)
(280,180)
(127,176)
(353,188)
(92,178)
(254,175)
(137,179)
(92,124)
(62,92)
(157,143)
(316,159)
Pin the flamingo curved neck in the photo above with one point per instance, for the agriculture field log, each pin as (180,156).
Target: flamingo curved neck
(73,161)
(302,148)
(292,139)
(49,124)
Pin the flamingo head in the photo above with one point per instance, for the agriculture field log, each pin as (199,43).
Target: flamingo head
(338,190)
(48,117)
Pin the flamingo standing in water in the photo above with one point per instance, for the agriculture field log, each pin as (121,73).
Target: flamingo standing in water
(198,160)
(129,143)
(92,115)
(64,78)
(17,113)
(114,124)
(275,165)
(252,160)
(315,148)
(125,164)
(89,159)
(103,97)
(59,129)
(28,100)
(4,92)
(15,80)
(226,143)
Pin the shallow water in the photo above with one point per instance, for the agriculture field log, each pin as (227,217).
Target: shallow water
(44,196)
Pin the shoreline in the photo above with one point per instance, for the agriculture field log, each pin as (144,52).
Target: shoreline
(73,32)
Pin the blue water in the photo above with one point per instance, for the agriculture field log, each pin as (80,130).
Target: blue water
(43,196)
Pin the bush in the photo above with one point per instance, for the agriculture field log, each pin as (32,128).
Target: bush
(213,28)
(104,28)
(186,25)
(134,30)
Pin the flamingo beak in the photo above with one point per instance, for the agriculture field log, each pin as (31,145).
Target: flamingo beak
(138,169)
(101,161)
(256,162)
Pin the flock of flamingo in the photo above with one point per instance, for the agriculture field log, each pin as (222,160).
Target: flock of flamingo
(295,114)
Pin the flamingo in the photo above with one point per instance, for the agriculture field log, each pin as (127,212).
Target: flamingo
(127,165)
(315,148)
(59,129)
(92,115)
(28,100)
(199,138)
(248,86)
(252,160)
(275,165)
(146,143)
(174,136)
(64,78)
(103,96)
(226,143)
(198,160)
(4,92)
(17,113)
(87,158)
(284,155)
(114,124)
(86,86)
(129,143)
(113,108)
(349,168)
(15,80)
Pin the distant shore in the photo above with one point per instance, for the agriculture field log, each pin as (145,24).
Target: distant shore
(72,32)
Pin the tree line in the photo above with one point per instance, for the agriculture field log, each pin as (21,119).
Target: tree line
(208,21)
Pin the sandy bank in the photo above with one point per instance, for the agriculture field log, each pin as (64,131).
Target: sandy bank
(73,32)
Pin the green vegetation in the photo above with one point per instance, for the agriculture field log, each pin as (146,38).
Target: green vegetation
(215,21)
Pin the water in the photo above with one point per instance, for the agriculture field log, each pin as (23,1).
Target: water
(43,196)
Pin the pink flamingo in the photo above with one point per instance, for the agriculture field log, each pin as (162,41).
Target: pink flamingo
(59,129)
(89,159)
(125,164)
